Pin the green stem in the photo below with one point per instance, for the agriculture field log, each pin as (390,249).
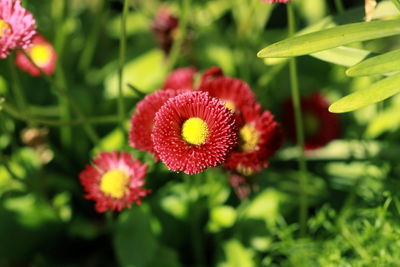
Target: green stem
(177,45)
(339,6)
(396,3)
(19,95)
(122,52)
(56,123)
(294,85)
(62,92)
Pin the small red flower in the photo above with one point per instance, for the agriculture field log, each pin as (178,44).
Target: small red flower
(234,93)
(17,27)
(163,27)
(115,181)
(193,131)
(320,126)
(259,138)
(142,121)
(180,79)
(42,54)
(211,74)
(242,185)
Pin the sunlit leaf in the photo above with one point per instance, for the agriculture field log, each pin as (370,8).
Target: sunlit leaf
(342,55)
(377,92)
(388,62)
(330,38)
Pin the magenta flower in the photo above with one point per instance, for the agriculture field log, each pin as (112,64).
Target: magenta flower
(17,27)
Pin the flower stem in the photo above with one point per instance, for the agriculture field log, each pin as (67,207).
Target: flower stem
(56,123)
(177,45)
(294,85)
(122,51)
(339,6)
(62,92)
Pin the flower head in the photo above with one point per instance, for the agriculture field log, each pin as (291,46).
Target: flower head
(115,181)
(17,27)
(180,79)
(193,131)
(320,126)
(233,93)
(142,121)
(259,138)
(42,54)
(163,27)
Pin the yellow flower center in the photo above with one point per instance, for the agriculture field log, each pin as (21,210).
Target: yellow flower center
(194,131)
(114,183)
(311,124)
(3,27)
(40,54)
(247,171)
(248,137)
(230,105)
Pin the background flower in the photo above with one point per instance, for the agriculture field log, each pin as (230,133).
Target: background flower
(42,54)
(114,181)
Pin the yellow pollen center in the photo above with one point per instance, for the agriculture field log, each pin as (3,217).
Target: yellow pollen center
(40,54)
(3,26)
(114,183)
(194,131)
(230,105)
(248,137)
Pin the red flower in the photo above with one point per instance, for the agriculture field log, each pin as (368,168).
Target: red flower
(143,119)
(17,27)
(242,185)
(193,131)
(42,54)
(234,93)
(114,182)
(320,126)
(163,27)
(260,137)
(182,78)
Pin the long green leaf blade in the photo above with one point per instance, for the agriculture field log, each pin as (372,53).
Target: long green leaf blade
(388,62)
(375,93)
(330,38)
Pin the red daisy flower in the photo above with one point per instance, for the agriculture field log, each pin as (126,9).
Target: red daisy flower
(193,131)
(211,74)
(163,27)
(17,27)
(234,93)
(320,126)
(115,181)
(259,138)
(182,78)
(42,54)
(143,119)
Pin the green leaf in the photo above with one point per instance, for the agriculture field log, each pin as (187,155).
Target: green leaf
(237,255)
(388,62)
(377,92)
(387,120)
(134,241)
(330,38)
(342,55)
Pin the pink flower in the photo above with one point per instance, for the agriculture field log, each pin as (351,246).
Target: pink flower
(163,26)
(182,78)
(260,136)
(17,27)
(193,131)
(42,54)
(142,121)
(115,181)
